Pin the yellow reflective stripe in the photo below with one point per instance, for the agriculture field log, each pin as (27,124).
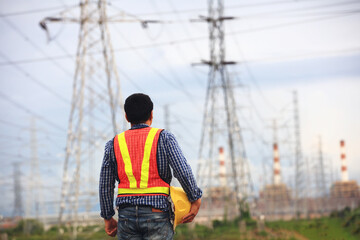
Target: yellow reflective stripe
(126,158)
(146,159)
(164,190)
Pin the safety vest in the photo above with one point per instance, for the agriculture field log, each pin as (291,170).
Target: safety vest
(135,152)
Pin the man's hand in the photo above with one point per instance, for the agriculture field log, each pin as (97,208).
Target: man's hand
(111,227)
(195,206)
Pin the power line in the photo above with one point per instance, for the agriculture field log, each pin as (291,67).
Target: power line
(39,83)
(181,53)
(251,75)
(236,6)
(12,139)
(204,9)
(279,14)
(185,40)
(39,10)
(26,157)
(12,124)
(27,110)
(309,54)
(40,50)
(161,75)
(31,11)
(26,128)
(17,30)
(194,45)
(306,14)
(286,11)
(281,25)
(263,14)
(268,59)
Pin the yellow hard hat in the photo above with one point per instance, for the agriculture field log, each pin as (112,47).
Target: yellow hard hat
(181,202)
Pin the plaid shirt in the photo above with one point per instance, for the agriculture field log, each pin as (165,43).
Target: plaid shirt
(168,155)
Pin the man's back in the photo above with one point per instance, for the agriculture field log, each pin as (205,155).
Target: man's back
(139,160)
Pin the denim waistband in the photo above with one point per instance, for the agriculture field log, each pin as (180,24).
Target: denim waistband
(144,207)
(141,211)
(122,206)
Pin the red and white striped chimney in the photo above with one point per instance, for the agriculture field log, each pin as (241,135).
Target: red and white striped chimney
(277,176)
(222,168)
(344,171)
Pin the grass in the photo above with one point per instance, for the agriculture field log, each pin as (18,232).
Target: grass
(340,225)
(323,228)
(344,224)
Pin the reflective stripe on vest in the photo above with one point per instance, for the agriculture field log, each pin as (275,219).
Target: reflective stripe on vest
(145,167)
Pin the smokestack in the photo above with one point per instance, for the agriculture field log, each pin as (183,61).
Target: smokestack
(222,169)
(344,171)
(277,176)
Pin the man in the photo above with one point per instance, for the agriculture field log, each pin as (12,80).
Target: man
(139,159)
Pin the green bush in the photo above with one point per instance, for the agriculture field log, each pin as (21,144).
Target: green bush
(202,232)
(29,227)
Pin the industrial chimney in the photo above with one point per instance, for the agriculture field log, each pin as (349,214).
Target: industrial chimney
(222,168)
(277,176)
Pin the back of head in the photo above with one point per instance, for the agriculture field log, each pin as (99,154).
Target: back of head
(138,108)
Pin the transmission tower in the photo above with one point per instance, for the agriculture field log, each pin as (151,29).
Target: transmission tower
(18,205)
(321,183)
(220,122)
(91,191)
(299,205)
(96,105)
(36,198)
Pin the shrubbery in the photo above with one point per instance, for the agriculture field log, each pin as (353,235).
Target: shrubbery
(29,227)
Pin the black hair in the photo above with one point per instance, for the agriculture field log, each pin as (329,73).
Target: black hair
(138,107)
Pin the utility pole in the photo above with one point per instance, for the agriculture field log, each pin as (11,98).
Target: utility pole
(18,205)
(220,122)
(96,88)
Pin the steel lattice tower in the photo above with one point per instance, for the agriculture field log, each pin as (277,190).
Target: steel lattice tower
(300,179)
(96,105)
(220,122)
(18,204)
(321,179)
(36,197)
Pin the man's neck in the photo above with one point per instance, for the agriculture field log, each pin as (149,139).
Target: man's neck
(148,122)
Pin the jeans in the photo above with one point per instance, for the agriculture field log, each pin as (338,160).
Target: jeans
(140,223)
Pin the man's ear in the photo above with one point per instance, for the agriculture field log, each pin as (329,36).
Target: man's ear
(151,115)
(126,118)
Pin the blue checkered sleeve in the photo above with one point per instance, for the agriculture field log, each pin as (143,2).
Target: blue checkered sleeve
(107,183)
(171,153)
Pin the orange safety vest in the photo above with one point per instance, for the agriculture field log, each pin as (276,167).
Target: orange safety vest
(135,152)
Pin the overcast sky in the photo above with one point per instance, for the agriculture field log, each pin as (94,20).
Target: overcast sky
(312,47)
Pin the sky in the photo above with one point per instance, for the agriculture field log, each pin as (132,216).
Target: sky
(312,47)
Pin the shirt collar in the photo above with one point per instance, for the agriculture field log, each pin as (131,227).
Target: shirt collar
(140,125)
